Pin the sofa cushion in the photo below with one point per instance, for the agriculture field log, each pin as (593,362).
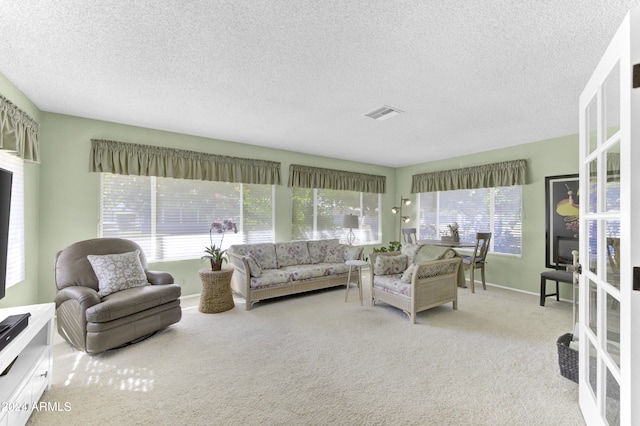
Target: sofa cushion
(318,249)
(351,252)
(292,253)
(335,252)
(287,274)
(263,253)
(390,265)
(128,302)
(117,272)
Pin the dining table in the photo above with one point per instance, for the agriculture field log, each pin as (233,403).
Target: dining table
(452,244)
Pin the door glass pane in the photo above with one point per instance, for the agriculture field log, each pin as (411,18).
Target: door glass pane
(612,102)
(613,328)
(592,370)
(592,125)
(593,307)
(612,404)
(592,198)
(612,202)
(613,252)
(593,246)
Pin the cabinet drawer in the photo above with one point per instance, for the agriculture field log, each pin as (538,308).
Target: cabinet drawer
(19,409)
(41,377)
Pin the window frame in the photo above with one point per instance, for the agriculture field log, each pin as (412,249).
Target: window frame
(16,261)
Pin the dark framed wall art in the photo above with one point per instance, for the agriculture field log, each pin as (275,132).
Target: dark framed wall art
(562,214)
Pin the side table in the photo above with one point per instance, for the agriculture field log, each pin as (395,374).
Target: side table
(216,293)
(358,264)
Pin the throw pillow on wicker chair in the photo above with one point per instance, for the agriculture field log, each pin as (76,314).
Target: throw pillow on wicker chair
(390,265)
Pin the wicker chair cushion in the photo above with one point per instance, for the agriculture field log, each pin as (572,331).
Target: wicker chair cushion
(392,284)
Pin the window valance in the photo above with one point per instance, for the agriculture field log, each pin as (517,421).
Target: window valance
(18,131)
(506,173)
(146,160)
(315,177)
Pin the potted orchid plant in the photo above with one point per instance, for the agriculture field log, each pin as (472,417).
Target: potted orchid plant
(214,253)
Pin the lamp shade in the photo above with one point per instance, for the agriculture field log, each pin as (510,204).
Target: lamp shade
(350,221)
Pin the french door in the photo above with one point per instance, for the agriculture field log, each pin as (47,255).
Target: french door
(609,312)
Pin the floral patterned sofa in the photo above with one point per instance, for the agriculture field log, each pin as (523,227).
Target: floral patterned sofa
(268,270)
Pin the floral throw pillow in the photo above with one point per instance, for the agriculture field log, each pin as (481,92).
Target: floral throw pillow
(390,265)
(118,272)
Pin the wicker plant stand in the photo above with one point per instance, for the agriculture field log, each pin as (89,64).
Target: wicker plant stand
(216,293)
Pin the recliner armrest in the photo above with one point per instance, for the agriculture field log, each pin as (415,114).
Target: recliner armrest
(159,277)
(87,297)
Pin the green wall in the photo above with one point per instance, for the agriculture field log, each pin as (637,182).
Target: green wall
(70,194)
(62,196)
(545,158)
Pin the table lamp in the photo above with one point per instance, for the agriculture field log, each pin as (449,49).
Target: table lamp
(350,221)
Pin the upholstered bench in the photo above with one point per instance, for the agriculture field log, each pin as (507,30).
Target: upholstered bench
(558,277)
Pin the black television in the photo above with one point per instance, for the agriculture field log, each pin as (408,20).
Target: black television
(6,177)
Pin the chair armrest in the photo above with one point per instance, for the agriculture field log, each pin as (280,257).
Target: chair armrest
(435,268)
(159,277)
(87,297)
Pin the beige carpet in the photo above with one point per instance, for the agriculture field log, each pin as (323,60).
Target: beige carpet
(316,360)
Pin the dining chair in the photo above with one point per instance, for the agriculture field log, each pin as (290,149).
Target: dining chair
(409,236)
(478,259)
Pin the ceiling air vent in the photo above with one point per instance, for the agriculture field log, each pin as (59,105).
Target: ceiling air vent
(384,112)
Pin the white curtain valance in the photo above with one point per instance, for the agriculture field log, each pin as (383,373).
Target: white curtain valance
(18,132)
(146,160)
(506,173)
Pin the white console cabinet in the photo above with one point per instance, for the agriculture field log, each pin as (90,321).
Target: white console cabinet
(30,375)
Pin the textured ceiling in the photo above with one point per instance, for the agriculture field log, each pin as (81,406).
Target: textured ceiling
(299,75)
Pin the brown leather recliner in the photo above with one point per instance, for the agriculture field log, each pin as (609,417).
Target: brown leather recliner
(94,324)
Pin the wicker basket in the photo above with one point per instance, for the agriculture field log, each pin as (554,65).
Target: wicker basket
(567,358)
(216,293)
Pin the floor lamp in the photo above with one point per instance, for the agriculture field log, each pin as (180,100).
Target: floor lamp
(405,219)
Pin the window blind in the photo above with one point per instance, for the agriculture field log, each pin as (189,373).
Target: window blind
(496,210)
(319,214)
(170,218)
(15,253)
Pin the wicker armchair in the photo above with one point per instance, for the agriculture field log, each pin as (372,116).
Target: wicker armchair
(432,284)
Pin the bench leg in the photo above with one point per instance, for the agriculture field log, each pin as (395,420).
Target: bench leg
(543,291)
